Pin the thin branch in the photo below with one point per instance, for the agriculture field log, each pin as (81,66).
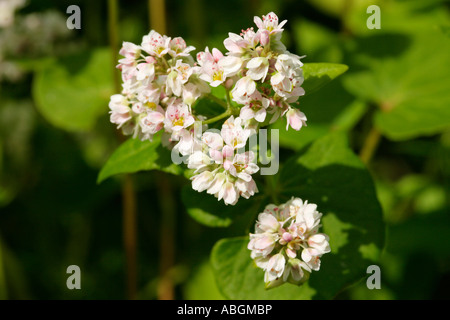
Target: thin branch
(370,145)
(227,113)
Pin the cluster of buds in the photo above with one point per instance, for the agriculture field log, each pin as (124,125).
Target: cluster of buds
(286,243)
(162,82)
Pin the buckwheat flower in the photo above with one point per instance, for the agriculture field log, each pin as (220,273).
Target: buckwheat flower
(286,243)
(275,267)
(235,44)
(294,272)
(177,77)
(128,64)
(258,68)
(295,118)
(130,51)
(234,134)
(151,123)
(186,142)
(244,87)
(288,78)
(264,37)
(242,166)
(269,22)
(211,71)
(255,107)
(177,117)
(202,181)
(231,65)
(155,44)
(120,110)
(178,48)
(199,161)
(219,179)
(246,188)
(146,70)
(228,193)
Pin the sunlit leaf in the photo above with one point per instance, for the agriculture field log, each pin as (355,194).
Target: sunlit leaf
(135,155)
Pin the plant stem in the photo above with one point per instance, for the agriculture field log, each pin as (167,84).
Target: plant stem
(370,144)
(113,32)
(227,113)
(157,15)
(129,234)
(167,237)
(127,187)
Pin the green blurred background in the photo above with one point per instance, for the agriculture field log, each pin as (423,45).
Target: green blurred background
(55,135)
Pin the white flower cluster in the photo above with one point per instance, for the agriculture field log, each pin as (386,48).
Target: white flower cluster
(265,78)
(220,168)
(286,243)
(161,83)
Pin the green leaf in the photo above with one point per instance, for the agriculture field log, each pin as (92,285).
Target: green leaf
(329,174)
(135,155)
(411,89)
(319,42)
(201,285)
(72,92)
(318,74)
(207,210)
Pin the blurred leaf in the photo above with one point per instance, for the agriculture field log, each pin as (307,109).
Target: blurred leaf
(411,90)
(422,234)
(317,42)
(318,74)
(445,30)
(330,175)
(135,155)
(202,285)
(73,92)
(411,17)
(207,210)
